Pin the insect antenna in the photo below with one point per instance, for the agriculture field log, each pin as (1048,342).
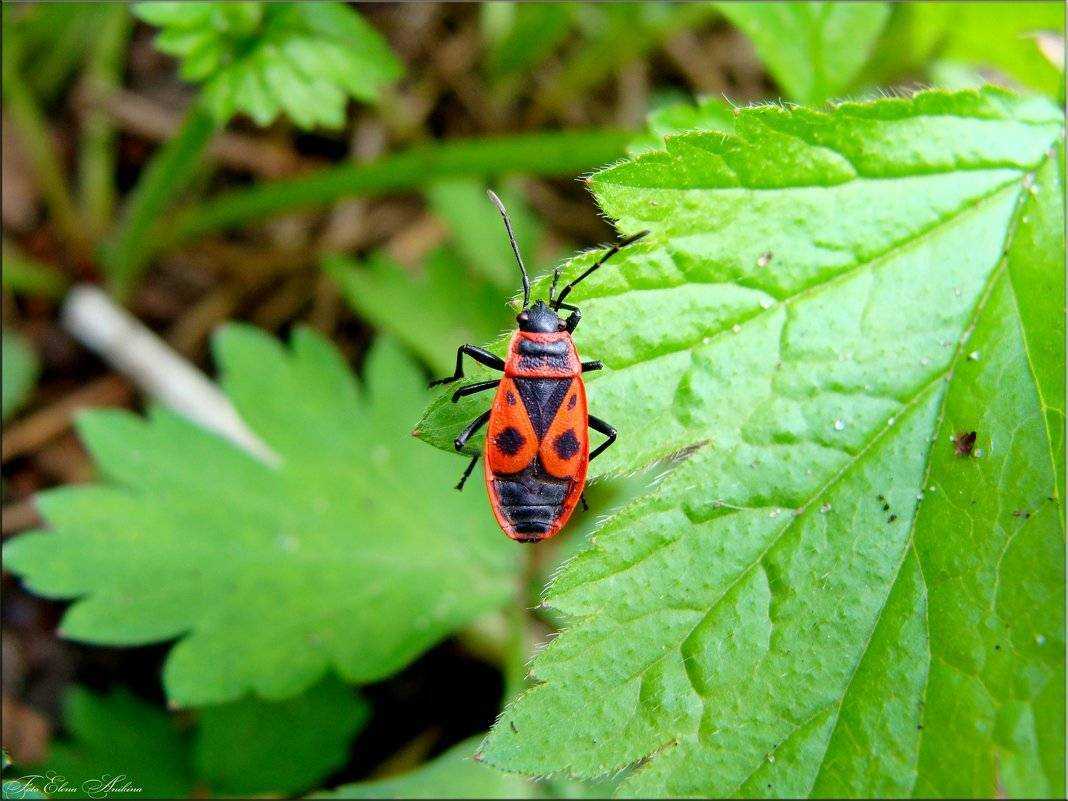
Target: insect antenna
(515,248)
(612,251)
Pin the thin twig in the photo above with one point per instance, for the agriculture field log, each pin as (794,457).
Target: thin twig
(121,340)
(34,431)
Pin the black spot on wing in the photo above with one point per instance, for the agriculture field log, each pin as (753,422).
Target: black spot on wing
(566,445)
(572,401)
(509,441)
(542,398)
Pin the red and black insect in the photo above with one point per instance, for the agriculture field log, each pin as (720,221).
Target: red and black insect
(537,447)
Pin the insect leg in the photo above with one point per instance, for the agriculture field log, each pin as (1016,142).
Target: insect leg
(468,432)
(478,354)
(573,319)
(590,366)
(585,506)
(467,472)
(471,389)
(597,424)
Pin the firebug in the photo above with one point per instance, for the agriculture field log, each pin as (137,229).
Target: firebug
(537,448)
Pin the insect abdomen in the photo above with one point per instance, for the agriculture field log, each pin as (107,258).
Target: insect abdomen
(531,499)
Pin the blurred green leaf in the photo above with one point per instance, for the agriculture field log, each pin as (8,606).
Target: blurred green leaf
(98,149)
(814,51)
(946,74)
(263,59)
(116,736)
(454,774)
(478,233)
(433,312)
(948,43)
(252,746)
(19,371)
(354,553)
(32,130)
(1001,36)
(827,301)
(707,114)
(522,35)
(54,39)
(25,276)
(171,170)
(616,34)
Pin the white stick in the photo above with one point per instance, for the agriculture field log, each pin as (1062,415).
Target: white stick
(126,344)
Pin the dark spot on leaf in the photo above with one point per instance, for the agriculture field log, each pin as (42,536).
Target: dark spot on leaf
(566,445)
(764,259)
(997,647)
(511,725)
(891,519)
(886,507)
(510,441)
(1021,513)
(964,443)
(919,726)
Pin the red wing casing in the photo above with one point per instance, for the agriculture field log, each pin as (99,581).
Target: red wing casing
(537,444)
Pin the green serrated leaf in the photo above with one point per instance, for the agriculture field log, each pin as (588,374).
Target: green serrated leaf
(828,595)
(252,746)
(707,114)
(19,372)
(116,737)
(263,59)
(814,51)
(355,553)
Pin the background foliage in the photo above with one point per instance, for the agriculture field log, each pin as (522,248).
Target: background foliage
(802,574)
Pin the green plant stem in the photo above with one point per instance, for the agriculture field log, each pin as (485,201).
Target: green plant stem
(518,648)
(97,162)
(36,140)
(548,154)
(170,171)
(516,651)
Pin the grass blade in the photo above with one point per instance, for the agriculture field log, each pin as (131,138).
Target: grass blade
(548,154)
